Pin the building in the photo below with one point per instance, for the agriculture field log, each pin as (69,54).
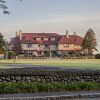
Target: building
(69,43)
(47,44)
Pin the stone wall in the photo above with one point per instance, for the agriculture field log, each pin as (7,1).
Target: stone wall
(49,75)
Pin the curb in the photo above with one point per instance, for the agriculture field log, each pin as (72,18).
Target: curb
(65,96)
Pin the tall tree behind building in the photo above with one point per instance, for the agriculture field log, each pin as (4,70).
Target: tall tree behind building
(3,7)
(89,42)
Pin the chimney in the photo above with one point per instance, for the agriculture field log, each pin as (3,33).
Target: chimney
(17,34)
(20,34)
(67,35)
(74,33)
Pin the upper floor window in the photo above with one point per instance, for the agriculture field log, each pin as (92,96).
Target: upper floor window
(42,39)
(38,39)
(77,46)
(45,39)
(52,39)
(39,45)
(66,45)
(29,45)
(46,45)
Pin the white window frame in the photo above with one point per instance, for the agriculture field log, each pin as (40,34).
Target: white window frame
(66,45)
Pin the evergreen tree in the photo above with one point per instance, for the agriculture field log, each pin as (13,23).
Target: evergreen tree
(89,42)
(3,7)
(2,44)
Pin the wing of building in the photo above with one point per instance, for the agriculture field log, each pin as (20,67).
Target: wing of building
(48,44)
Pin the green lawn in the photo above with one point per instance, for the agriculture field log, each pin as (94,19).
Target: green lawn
(69,63)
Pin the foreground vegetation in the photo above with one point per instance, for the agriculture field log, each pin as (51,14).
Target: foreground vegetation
(31,87)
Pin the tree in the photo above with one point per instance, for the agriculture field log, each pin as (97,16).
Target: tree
(11,55)
(89,42)
(3,7)
(2,44)
(16,45)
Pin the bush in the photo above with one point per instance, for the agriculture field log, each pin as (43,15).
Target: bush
(97,56)
(31,87)
(11,55)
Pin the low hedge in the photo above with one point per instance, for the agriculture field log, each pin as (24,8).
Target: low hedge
(11,87)
(47,71)
(97,56)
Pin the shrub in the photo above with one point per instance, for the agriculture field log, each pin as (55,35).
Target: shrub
(11,55)
(97,56)
(31,87)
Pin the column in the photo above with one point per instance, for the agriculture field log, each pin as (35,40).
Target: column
(50,54)
(6,57)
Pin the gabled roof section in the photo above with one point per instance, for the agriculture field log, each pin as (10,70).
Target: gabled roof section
(72,39)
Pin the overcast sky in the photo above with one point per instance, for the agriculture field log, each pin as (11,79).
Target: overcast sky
(51,16)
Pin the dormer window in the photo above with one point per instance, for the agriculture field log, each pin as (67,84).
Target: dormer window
(66,45)
(45,39)
(34,38)
(38,39)
(52,39)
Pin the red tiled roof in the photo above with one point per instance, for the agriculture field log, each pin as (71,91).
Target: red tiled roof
(71,39)
(59,39)
(39,34)
(29,38)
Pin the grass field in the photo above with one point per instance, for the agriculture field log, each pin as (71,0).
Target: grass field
(69,63)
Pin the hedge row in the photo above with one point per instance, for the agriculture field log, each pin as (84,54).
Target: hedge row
(11,88)
(46,71)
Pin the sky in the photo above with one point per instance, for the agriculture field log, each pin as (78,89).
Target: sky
(51,16)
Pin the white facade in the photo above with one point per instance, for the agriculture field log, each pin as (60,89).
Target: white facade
(33,47)
(39,47)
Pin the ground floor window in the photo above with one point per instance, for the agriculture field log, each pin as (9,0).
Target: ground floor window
(28,53)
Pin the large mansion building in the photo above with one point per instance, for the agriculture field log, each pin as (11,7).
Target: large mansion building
(43,44)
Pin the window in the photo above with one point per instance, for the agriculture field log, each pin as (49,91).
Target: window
(38,39)
(34,38)
(46,45)
(66,45)
(41,38)
(29,45)
(77,46)
(45,39)
(52,39)
(39,45)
